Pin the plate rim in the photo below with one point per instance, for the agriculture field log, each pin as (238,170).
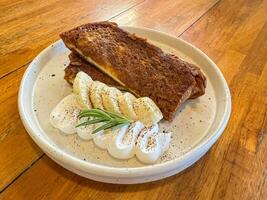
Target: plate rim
(110,171)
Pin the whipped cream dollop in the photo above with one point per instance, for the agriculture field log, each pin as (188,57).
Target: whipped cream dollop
(65,115)
(146,143)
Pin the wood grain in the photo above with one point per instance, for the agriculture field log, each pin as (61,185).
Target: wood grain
(23,34)
(62,184)
(9,162)
(18,151)
(227,27)
(234,35)
(27,27)
(174,18)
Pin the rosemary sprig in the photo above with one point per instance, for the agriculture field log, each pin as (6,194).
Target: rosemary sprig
(107,118)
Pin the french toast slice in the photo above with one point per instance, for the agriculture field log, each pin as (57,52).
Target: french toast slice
(141,67)
(79,64)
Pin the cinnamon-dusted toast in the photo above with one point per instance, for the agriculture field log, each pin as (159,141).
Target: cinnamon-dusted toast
(79,64)
(138,65)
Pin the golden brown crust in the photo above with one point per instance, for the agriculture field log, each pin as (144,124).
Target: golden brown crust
(78,64)
(142,67)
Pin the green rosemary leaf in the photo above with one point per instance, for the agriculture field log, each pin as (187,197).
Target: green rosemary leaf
(105,126)
(109,119)
(101,112)
(94,113)
(123,121)
(93,121)
(90,115)
(115,115)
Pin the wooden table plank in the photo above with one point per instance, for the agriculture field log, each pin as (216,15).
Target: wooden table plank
(31,34)
(236,166)
(17,149)
(28,27)
(47,180)
(9,159)
(227,28)
(230,25)
(172,16)
(245,157)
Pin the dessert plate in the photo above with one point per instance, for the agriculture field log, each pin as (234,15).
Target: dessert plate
(196,127)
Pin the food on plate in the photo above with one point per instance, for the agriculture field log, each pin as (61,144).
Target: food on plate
(110,99)
(135,139)
(98,95)
(150,144)
(122,144)
(78,64)
(141,67)
(121,137)
(102,138)
(95,94)
(64,116)
(126,101)
(84,132)
(122,87)
(81,87)
(147,111)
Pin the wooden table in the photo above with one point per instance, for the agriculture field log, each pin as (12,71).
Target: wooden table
(232,33)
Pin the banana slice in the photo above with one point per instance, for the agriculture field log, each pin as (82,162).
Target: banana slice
(126,101)
(81,86)
(110,99)
(147,111)
(95,94)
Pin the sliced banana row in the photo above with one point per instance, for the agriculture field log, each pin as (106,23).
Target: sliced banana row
(111,99)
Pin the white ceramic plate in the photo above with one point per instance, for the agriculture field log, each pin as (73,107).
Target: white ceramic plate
(196,127)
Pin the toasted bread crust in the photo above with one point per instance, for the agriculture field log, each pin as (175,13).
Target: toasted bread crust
(140,66)
(78,64)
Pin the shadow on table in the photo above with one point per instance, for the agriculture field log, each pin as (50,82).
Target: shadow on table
(89,187)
